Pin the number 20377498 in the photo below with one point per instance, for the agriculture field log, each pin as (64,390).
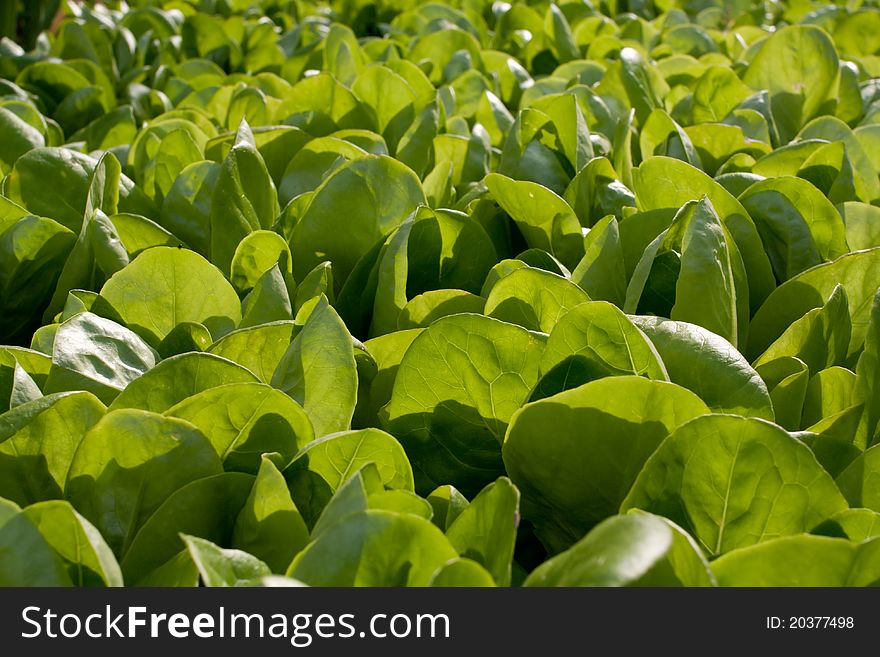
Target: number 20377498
(809,623)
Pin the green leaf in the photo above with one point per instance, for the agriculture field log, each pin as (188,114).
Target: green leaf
(220,567)
(461,572)
(268,301)
(128,464)
(635,550)
(533,298)
(258,349)
(179,377)
(318,371)
(95,354)
(88,559)
(38,440)
(735,482)
(186,210)
(164,286)
(545,220)
(799,226)
(708,365)
(855,524)
(801,561)
(798,65)
(32,253)
(604,431)
(601,273)
(245,420)
(860,482)
(256,254)
(485,531)
(244,198)
(868,378)
(858,272)
(270,526)
(322,466)
(663,182)
(456,388)
(591,341)
(54,182)
(820,338)
(358,204)
(706,292)
(207,508)
(27,558)
(355,552)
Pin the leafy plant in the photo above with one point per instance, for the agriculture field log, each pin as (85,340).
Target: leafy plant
(439,294)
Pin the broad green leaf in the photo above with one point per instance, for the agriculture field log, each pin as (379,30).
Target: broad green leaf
(245,420)
(432,250)
(255,255)
(128,464)
(318,371)
(461,572)
(27,558)
(735,482)
(868,379)
(456,388)
(533,298)
(351,497)
(601,273)
(801,561)
(798,65)
(88,559)
(165,286)
(862,224)
(604,431)
(663,182)
(799,226)
(269,525)
(323,465)
(858,272)
(860,482)
(360,203)
(448,504)
(596,191)
(830,391)
(223,567)
(185,337)
(820,338)
(244,198)
(355,552)
(485,531)
(387,350)
(268,301)
(179,377)
(206,508)
(718,91)
(787,379)
(591,341)
(186,210)
(95,354)
(708,365)
(38,441)
(632,550)
(545,220)
(428,307)
(258,349)
(854,524)
(706,290)
(32,253)
(54,182)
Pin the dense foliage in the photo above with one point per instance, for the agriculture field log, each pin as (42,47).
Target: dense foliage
(398,293)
